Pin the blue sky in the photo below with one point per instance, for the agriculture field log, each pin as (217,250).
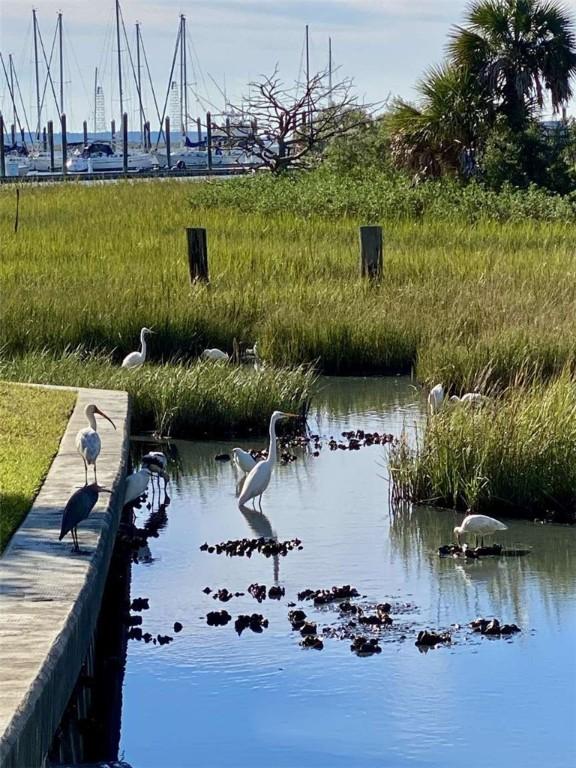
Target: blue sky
(384,45)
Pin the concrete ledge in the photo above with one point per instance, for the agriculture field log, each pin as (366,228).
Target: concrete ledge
(49,597)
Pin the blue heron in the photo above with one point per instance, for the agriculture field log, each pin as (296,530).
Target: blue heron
(77,508)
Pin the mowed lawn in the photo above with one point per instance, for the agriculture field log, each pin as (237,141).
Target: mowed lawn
(32,422)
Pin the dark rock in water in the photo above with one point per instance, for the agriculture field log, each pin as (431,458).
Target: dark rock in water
(203,548)
(348,607)
(177,627)
(430,639)
(311,641)
(308,629)
(256,622)
(146,637)
(492,627)
(297,619)
(245,547)
(323,596)
(363,646)
(223,595)
(258,591)
(139,604)
(206,590)
(383,608)
(135,634)
(222,457)
(133,621)
(164,639)
(275,593)
(218,618)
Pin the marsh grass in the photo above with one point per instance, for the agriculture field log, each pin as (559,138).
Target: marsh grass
(516,456)
(177,399)
(91,265)
(32,422)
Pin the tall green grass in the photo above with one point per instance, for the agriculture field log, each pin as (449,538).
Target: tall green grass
(178,400)
(515,456)
(461,294)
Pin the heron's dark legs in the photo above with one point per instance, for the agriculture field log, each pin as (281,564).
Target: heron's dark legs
(75,539)
(85,471)
(260,502)
(95,478)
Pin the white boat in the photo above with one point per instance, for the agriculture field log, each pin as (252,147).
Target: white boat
(98,156)
(16,165)
(192,157)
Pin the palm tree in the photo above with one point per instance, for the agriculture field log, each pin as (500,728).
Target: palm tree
(519,49)
(433,137)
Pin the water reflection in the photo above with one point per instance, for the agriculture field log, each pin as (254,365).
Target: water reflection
(278,701)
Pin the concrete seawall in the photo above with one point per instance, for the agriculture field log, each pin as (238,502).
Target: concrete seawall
(49,596)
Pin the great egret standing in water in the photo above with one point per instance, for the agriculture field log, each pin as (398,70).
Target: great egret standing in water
(436,398)
(259,477)
(88,441)
(480,525)
(136,359)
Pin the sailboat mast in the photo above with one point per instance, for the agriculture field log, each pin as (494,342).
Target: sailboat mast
(119,58)
(61,63)
(330,66)
(38,107)
(139,79)
(184,62)
(11,63)
(95,97)
(308,80)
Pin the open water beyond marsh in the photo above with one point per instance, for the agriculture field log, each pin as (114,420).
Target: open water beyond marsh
(213,698)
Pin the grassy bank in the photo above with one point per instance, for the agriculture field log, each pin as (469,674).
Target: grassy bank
(177,400)
(26,413)
(464,297)
(516,456)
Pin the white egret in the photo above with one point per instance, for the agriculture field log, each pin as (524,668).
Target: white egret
(78,508)
(259,477)
(480,525)
(216,355)
(436,398)
(88,442)
(136,359)
(136,484)
(243,460)
(471,398)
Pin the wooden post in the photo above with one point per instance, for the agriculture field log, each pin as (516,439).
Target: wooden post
(113,134)
(44,141)
(64,145)
(17,216)
(2,159)
(371,252)
(199,129)
(197,254)
(13,133)
(125,142)
(209,139)
(51,144)
(85,131)
(167,132)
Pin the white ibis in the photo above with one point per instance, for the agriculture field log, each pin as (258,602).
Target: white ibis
(243,460)
(136,484)
(480,525)
(88,440)
(216,355)
(77,509)
(436,398)
(136,359)
(471,398)
(156,462)
(259,477)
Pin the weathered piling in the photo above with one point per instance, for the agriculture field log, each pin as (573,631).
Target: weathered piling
(113,133)
(371,252)
(64,144)
(51,144)
(85,131)
(209,139)
(197,254)
(13,133)
(44,140)
(199,129)
(167,132)
(2,160)
(125,142)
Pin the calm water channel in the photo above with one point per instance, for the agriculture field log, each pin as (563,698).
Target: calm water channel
(213,698)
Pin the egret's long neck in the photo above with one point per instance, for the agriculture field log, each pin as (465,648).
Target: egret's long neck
(272,447)
(143,343)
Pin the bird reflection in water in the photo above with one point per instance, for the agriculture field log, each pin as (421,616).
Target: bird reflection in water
(261,527)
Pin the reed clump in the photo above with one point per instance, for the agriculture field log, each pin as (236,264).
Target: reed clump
(176,399)
(514,456)
(470,278)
